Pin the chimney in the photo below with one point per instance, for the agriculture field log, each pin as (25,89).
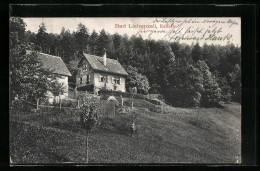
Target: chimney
(105,58)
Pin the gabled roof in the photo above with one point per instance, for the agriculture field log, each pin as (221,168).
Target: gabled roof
(112,66)
(53,63)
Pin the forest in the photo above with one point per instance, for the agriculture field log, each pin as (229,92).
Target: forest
(184,75)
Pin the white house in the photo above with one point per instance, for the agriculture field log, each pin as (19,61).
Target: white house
(97,73)
(58,67)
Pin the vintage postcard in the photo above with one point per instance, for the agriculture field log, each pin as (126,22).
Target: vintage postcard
(120,90)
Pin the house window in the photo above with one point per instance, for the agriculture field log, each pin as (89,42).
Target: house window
(85,67)
(88,79)
(102,78)
(115,80)
(118,80)
(80,80)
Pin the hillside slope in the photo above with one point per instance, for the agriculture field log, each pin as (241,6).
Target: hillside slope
(181,136)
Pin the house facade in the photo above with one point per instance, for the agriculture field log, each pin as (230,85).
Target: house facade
(56,65)
(96,73)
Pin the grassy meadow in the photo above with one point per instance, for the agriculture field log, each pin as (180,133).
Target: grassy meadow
(169,135)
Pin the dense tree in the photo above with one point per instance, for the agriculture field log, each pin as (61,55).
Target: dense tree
(30,37)
(27,78)
(102,43)
(93,43)
(127,53)
(138,44)
(235,83)
(42,38)
(109,47)
(184,55)
(165,62)
(17,49)
(137,80)
(81,37)
(67,49)
(159,61)
(210,53)
(117,40)
(73,68)
(193,86)
(53,44)
(211,93)
(176,50)
(229,56)
(196,53)
(119,49)
(186,85)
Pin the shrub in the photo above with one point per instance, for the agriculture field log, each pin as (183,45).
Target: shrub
(69,103)
(19,106)
(90,114)
(153,101)
(211,96)
(106,93)
(195,99)
(45,101)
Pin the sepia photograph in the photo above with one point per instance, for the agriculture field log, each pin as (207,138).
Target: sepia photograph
(124,90)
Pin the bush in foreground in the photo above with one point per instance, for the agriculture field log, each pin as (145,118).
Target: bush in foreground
(90,114)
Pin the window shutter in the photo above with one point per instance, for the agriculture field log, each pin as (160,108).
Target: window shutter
(80,80)
(107,78)
(112,78)
(100,77)
(119,80)
(87,80)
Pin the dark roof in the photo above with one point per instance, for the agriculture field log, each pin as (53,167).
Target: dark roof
(112,66)
(53,63)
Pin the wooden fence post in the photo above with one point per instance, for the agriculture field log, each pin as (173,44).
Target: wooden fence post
(37,104)
(162,108)
(78,103)
(104,107)
(114,110)
(132,102)
(122,101)
(60,103)
(87,148)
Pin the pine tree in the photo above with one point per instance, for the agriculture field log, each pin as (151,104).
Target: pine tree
(102,43)
(225,89)
(93,43)
(176,50)
(211,94)
(119,49)
(196,53)
(81,37)
(235,83)
(67,48)
(42,37)
(128,53)
(185,55)
(135,79)
(210,54)
(186,85)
